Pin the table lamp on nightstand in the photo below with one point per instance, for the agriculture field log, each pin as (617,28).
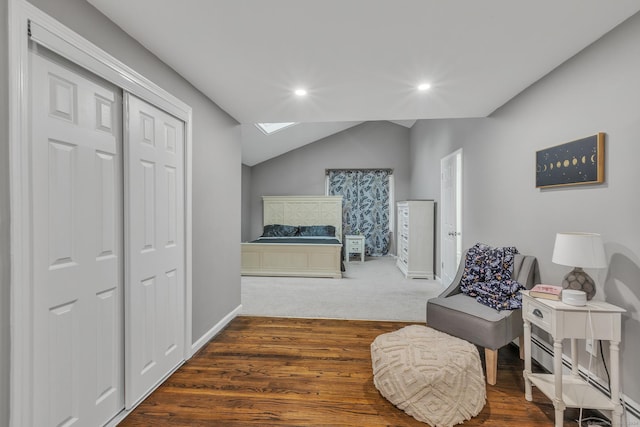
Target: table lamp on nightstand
(579,250)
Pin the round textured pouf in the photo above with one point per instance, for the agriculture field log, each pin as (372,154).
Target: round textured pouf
(430,375)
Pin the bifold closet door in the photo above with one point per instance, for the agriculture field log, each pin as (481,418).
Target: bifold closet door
(154,198)
(76,174)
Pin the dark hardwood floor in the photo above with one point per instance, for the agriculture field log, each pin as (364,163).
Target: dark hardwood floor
(264,371)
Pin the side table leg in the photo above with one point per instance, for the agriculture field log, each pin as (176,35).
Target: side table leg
(527,361)
(614,352)
(558,403)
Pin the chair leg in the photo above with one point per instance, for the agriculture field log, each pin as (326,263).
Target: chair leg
(491,362)
(521,345)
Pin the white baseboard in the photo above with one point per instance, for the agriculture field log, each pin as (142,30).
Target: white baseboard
(215,329)
(542,353)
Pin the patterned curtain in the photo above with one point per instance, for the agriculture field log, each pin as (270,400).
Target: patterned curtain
(365,205)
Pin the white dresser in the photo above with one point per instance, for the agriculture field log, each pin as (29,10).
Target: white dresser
(415,238)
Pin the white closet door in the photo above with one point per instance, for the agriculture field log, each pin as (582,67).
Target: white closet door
(154,171)
(77,246)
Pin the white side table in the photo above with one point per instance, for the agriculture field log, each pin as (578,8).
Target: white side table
(597,320)
(353,244)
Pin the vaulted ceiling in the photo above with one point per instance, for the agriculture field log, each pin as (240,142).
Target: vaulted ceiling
(360,60)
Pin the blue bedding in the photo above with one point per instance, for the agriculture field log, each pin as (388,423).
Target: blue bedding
(298,240)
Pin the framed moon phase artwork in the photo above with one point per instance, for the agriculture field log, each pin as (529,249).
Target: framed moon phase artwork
(573,163)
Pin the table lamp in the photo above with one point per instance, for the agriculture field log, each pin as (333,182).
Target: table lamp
(579,250)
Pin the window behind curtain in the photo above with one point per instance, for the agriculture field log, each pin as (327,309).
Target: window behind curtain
(365,205)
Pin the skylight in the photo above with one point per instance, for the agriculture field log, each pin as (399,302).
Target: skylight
(269,128)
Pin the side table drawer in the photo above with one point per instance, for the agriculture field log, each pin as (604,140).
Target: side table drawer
(538,314)
(354,246)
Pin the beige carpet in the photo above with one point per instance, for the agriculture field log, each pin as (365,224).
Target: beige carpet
(373,290)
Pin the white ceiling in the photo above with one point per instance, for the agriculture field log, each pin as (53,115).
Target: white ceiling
(361,60)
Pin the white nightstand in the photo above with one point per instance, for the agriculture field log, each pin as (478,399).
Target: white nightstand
(353,245)
(597,320)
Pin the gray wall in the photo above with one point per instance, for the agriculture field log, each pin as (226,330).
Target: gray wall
(216,176)
(302,171)
(430,141)
(4,220)
(598,90)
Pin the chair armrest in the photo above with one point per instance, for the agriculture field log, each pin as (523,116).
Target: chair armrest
(454,287)
(526,270)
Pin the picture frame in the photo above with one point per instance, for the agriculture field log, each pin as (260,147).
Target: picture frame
(577,162)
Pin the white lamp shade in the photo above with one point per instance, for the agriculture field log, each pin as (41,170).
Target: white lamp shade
(584,250)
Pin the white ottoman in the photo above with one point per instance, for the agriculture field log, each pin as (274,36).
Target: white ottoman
(432,376)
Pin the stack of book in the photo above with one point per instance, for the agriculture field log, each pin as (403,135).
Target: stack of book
(552,292)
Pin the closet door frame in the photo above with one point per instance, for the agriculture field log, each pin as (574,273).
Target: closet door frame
(26,23)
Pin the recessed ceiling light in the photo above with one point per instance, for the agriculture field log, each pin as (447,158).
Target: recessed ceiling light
(424,86)
(300,92)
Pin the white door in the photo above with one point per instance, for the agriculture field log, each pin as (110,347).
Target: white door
(451,224)
(154,171)
(76,155)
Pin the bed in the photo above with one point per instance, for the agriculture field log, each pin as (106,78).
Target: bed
(298,255)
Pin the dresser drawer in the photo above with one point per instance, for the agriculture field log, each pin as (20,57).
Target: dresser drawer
(538,313)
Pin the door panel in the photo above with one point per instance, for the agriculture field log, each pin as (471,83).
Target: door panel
(77,241)
(63,165)
(106,214)
(63,356)
(108,359)
(155,307)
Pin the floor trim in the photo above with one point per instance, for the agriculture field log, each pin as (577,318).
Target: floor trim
(204,339)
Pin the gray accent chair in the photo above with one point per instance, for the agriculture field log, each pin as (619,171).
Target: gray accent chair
(462,316)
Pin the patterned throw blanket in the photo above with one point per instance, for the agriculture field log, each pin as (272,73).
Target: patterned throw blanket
(487,277)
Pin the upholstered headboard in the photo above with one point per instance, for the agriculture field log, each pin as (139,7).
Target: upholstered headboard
(303,210)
